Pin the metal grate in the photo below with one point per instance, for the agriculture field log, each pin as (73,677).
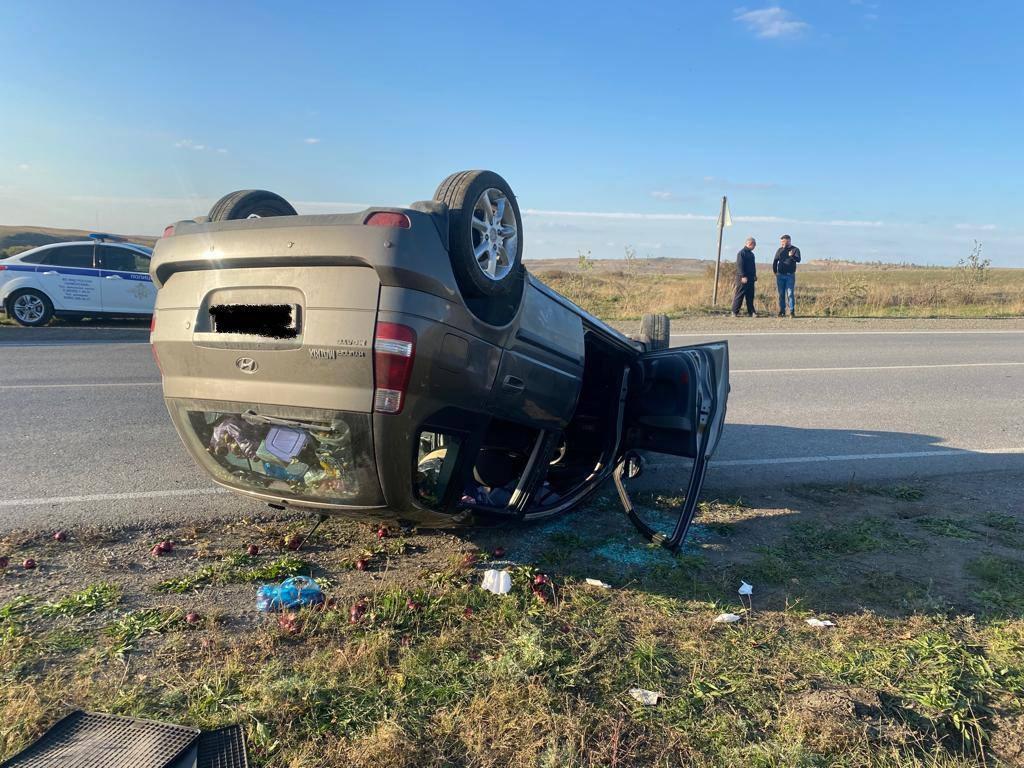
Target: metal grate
(88,740)
(223,748)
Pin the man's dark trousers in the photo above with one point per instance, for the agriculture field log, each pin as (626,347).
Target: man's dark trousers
(744,291)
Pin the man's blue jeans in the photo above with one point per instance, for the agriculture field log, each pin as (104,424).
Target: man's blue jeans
(787,288)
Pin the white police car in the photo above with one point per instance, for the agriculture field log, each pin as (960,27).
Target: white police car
(101,276)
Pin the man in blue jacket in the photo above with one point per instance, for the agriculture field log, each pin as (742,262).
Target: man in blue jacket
(784,267)
(746,276)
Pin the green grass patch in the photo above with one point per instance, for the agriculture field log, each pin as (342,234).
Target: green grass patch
(234,569)
(92,599)
(948,527)
(126,631)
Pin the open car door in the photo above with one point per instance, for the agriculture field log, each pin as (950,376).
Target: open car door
(675,404)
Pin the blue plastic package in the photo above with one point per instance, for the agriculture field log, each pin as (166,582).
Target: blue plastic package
(290,593)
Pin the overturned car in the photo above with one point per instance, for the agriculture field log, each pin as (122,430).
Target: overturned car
(402,363)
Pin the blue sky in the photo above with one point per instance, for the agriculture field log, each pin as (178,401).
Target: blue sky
(868,129)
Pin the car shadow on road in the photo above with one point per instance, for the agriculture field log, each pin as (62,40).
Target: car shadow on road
(895,543)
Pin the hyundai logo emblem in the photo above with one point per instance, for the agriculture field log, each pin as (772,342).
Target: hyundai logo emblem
(247,365)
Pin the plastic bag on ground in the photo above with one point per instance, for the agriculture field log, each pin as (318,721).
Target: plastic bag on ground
(290,593)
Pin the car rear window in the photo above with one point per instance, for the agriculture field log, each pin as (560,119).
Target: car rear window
(301,454)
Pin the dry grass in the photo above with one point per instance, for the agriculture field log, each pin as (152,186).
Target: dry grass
(839,292)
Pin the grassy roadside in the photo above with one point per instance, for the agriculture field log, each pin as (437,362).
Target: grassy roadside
(925,665)
(848,292)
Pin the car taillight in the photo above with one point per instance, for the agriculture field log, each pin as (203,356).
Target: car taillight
(3,267)
(388,219)
(168,230)
(152,346)
(394,349)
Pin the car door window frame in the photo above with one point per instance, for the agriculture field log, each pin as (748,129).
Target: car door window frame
(707,408)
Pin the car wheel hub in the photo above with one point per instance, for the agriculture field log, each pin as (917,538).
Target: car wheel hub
(28,308)
(495,234)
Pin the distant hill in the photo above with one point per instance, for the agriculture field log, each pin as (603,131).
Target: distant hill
(35,236)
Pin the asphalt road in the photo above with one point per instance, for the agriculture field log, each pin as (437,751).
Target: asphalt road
(86,437)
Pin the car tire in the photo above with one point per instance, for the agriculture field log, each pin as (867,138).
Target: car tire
(30,308)
(486,241)
(250,204)
(656,329)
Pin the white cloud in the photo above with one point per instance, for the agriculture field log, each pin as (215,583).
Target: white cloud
(620,215)
(311,140)
(24,167)
(661,194)
(773,22)
(980,227)
(189,144)
(757,219)
(222,151)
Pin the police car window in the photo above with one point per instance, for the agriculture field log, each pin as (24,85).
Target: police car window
(123,260)
(69,256)
(35,258)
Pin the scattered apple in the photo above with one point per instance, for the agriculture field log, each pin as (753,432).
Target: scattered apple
(412,605)
(4,562)
(289,623)
(60,536)
(362,564)
(468,612)
(498,552)
(252,550)
(382,532)
(357,611)
(157,550)
(29,564)
(541,578)
(294,541)
(192,618)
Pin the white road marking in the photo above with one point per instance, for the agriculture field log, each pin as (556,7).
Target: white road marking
(874,367)
(951,452)
(69,342)
(718,334)
(111,497)
(93,384)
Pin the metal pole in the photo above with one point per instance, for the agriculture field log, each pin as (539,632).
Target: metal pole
(718,261)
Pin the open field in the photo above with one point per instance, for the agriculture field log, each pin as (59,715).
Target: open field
(925,665)
(624,289)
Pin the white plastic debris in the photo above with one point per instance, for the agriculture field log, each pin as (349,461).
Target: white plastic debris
(745,589)
(645,697)
(598,583)
(727,618)
(819,623)
(498,582)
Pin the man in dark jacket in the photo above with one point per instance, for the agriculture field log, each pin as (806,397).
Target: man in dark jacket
(746,276)
(784,267)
